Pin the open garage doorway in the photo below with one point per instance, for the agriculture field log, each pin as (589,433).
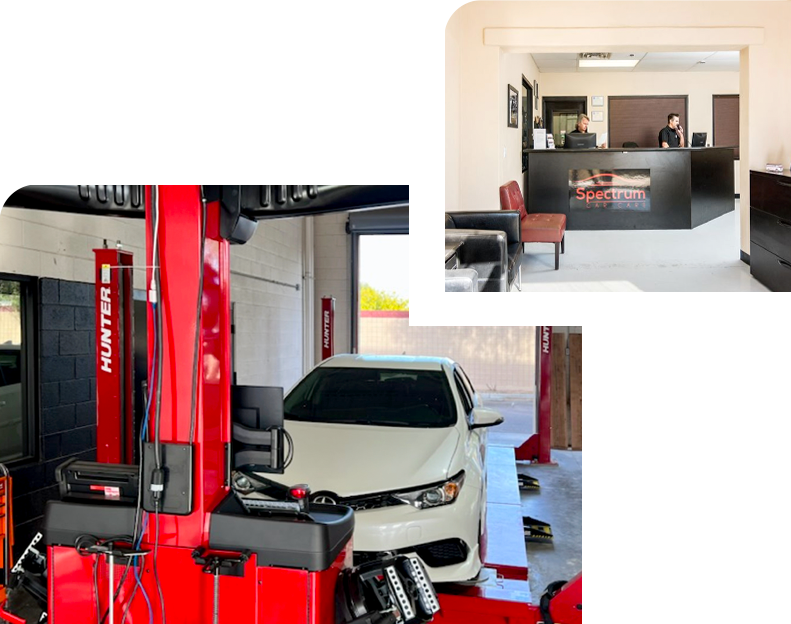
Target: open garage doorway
(380,271)
(383,287)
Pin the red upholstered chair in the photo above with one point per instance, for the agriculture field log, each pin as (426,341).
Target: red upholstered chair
(536,228)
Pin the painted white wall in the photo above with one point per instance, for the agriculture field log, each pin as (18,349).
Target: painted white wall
(308,294)
(60,245)
(699,86)
(512,68)
(452,104)
(332,254)
(269,316)
(765,134)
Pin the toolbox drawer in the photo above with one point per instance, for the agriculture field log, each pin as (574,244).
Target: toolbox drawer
(771,233)
(771,193)
(772,271)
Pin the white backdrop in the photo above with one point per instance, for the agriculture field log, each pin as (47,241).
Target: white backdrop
(686,396)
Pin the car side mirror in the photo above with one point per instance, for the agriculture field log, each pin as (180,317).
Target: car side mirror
(482,417)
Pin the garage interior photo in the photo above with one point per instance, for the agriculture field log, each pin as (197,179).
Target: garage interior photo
(213,408)
(523,79)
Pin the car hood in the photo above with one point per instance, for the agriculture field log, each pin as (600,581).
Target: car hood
(361,459)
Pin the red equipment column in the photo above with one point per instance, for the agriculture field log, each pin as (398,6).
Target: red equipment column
(537,446)
(179,232)
(114,333)
(327,327)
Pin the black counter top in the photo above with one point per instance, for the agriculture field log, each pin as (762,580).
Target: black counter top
(680,150)
(786,173)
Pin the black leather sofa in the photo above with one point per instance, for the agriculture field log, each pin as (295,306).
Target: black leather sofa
(461,280)
(491,245)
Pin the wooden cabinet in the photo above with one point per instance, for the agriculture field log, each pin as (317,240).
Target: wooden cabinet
(770,229)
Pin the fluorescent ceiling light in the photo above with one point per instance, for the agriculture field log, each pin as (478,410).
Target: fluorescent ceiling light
(584,63)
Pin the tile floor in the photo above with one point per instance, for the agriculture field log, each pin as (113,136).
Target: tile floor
(703,259)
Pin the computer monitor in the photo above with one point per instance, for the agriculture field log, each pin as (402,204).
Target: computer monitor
(699,139)
(580,140)
(257,407)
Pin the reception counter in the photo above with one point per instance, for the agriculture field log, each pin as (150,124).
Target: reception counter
(631,189)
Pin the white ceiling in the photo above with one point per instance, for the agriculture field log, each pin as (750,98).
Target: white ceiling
(648,62)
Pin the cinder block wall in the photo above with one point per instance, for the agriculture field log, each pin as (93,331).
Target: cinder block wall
(266,283)
(333,258)
(67,398)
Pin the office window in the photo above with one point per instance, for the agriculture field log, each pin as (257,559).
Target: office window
(726,122)
(638,119)
(16,389)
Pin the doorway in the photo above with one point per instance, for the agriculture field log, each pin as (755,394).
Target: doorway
(380,279)
(383,293)
(560,115)
(527,120)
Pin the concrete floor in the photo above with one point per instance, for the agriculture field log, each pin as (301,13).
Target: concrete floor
(705,259)
(558,502)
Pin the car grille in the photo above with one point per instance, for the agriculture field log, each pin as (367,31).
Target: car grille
(361,503)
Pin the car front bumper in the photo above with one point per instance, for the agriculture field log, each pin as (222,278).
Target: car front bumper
(403,527)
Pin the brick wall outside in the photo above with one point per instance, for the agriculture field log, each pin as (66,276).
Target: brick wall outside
(498,360)
(67,400)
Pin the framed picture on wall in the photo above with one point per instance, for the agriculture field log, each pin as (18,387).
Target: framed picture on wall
(597,116)
(597,100)
(513,107)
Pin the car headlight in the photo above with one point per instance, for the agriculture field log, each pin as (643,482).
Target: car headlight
(434,496)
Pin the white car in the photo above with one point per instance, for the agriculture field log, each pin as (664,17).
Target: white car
(401,440)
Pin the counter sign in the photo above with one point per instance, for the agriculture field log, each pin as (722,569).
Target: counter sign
(618,189)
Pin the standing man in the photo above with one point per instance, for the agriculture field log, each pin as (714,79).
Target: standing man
(672,135)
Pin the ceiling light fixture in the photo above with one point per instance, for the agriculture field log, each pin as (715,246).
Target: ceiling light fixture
(584,63)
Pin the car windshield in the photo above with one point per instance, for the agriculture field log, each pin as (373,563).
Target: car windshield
(371,396)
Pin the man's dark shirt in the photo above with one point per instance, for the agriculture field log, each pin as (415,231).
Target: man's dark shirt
(666,135)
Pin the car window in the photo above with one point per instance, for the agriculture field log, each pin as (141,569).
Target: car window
(466,381)
(373,396)
(466,399)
